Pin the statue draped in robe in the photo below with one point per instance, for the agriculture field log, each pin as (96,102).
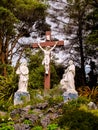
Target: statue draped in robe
(23,72)
(68,82)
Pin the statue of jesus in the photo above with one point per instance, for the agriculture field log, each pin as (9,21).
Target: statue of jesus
(46,60)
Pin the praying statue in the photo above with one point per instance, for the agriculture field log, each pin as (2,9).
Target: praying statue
(68,82)
(47,53)
(23,72)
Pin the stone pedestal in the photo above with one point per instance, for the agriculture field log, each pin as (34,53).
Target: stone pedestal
(21,97)
(68,95)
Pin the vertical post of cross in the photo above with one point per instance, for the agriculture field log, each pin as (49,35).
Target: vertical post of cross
(47,77)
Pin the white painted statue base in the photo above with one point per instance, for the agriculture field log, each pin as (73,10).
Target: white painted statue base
(21,97)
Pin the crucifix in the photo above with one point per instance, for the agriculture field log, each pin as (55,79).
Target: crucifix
(47,53)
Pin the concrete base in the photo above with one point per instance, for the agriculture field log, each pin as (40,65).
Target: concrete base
(21,97)
(69,96)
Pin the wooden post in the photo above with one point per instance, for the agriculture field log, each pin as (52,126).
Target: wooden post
(47,77)
(47,81)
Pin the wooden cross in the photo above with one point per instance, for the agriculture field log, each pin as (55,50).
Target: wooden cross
(45,44)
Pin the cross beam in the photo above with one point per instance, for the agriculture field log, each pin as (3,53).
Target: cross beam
(44,44)
(48,43)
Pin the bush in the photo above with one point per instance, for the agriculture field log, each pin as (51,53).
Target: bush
(77,117)
(8,86)
(89,93)
(37,128)
(52,127)
(7,126)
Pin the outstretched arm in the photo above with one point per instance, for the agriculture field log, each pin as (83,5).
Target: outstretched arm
(54,46)
(41,47)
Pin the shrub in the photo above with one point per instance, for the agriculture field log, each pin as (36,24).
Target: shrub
(52,127)
(89,93)
(76,117)
(8,86)
(37,128)
(28,122)
(7,126)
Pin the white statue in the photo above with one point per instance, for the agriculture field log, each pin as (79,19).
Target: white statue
(23,71)
(46,60)
(68,82)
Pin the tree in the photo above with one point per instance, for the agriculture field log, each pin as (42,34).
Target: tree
(77,13)
(92,27)
(16,20)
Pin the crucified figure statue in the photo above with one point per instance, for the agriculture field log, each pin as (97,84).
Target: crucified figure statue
(47,52)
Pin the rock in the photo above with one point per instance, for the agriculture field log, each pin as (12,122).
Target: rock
(45,120)
(27,108)
(38,112)
(69,96)
(42,105)
(21,127)
(92,105)
(32,117)
(39,96)
(51,110)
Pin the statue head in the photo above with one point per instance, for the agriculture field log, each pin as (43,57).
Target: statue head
(24,64)
(23,68)
(70,62)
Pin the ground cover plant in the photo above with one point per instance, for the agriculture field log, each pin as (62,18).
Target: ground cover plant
(75,114)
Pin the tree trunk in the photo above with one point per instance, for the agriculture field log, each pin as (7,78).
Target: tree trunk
(82,54)
(4,72)
(3,59)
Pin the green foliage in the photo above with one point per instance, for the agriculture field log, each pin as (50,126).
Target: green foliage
(34,95)
(54,76)
(52,127)
(36,75)
(6,122)
(7,126)
(22,11)
(9,68)
(92,38)
(8,86)
(4,117)
(7,18)
(37,128)
(28,122)
(92,43)
(16,20)
(92,27)
(82,100)
(91,94)
(55,100)
(55,96)
(34,7)
(77,117)
(94,94)
(56,91)
(83,15)
(75,113)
